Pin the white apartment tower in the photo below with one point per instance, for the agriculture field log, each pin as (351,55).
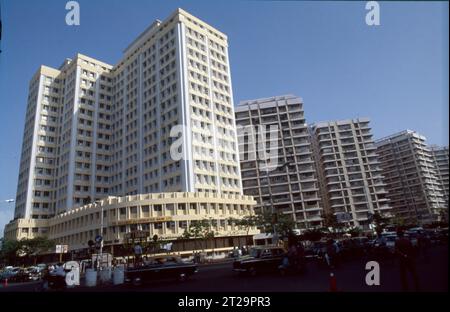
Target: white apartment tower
(176,72)
(94,130)
(66,131)
(441,161)
(289,181)
(350,176)
(410,174)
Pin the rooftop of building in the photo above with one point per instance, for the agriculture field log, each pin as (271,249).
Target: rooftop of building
(155,25)
(321,124)
(404,133)
(270,99)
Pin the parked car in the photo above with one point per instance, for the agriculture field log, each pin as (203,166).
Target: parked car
(260,259)
(160,268)
(19,276)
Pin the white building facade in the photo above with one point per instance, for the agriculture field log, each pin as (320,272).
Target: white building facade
(350,175)
(410,173)
(160,120)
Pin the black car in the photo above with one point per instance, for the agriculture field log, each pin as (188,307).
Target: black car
(160,268)
(260,259)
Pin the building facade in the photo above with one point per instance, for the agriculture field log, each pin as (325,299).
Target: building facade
(350,177)
(176,73)
(160,120)
(441,161)
(166,215)
(276,158)
(411,178)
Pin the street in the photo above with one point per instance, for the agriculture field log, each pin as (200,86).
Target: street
(350,277)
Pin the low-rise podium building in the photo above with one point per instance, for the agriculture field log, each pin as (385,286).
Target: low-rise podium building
(166,215)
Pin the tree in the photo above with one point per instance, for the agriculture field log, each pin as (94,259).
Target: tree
(199,230)
(281,223)
(246,223)
(8,254)
(354,231)
(330,221)
(25,249)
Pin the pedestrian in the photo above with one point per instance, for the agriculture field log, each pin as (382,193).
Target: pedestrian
(330,253)
(405,252)
(137,253)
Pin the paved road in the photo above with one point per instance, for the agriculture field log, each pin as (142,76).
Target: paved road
(433,276)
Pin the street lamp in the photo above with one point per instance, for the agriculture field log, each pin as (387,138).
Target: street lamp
(101,231)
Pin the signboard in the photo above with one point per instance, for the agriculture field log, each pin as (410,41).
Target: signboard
(98,238)
(137,235)
(62,249)
(143,220)
(103,260)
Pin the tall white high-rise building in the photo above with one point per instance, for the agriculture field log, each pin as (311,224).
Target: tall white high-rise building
(176,72)
(66,138)
(410,174)
(350,176)
(160,120)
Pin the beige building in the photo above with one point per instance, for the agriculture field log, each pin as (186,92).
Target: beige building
(167,215)
(411,178)
(160,120)
(350,175)
(288,182)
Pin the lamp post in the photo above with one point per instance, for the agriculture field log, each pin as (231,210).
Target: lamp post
(101,232)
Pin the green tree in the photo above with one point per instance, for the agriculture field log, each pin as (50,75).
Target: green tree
(330,221)
(246,223)
(199,230)
(281,223)
(25,249)
(354,231)
(8,253)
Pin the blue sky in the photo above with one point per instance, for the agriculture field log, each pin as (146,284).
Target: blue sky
(396,73)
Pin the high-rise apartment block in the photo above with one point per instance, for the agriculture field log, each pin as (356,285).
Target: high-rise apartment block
(94,130)
(66,149)
(410,174)
(276,158)
(160,120)
(441,161)
(175,73)
(349,171)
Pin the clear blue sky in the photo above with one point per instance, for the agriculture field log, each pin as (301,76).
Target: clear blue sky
(396,73)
